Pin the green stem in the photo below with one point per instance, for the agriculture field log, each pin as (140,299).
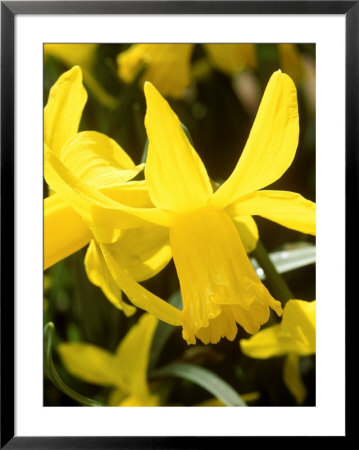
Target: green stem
(49,332)
(277,283)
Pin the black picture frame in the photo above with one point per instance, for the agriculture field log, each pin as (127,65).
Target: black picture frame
(9,10)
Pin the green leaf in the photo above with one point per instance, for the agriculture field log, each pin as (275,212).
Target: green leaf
(276,282)
(204,378)
(294,256)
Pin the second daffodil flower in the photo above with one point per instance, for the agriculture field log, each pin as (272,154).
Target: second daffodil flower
(125,371)
(209,232)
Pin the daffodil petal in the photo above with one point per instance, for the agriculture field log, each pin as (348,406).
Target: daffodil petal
(299,320)
(271,145)
(292,379)
(91,363)
(248,231)
(286,208)
(132,193)
(167,66)
(99,274)
(64,231)
(266,343)
(231,58)
(133,355)
(142,252)
(98,160)
(101,213)
(140,296)
(295,334)
(64,108)
(177,179)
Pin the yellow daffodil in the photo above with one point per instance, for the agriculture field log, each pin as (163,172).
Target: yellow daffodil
(209,231)
(178,214)
(125,371)
(294,337)
(167,66)
(89,173)
(231,58)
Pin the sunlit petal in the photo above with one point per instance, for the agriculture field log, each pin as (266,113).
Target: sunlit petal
(101,213)
(286,208)
(99,274)
(271,145)
(92,364)
(133,355)
(140,296)
(267,343)
(296,333)
(177,179)
(64,231)
(98,160)
(248,231)
(300,322)
(64,108)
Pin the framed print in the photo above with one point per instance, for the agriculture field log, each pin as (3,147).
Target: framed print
(175,183)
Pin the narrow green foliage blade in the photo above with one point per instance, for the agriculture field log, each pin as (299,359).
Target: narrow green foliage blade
(49,333)
(204,378)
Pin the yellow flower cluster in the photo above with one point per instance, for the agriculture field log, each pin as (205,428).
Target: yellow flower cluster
(134,228)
